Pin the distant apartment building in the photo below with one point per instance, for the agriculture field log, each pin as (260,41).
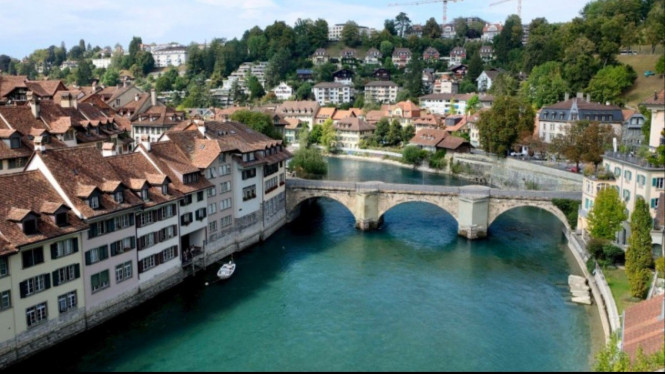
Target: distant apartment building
(401,57)
(381,92)
(490,30)
(334,93)
(335,31)
(283,91)
(173,55)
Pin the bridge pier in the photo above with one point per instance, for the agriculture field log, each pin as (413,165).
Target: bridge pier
(473,213)
(366,210)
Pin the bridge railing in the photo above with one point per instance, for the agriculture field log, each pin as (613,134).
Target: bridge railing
(427,188)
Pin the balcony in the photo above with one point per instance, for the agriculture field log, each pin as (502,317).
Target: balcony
(190,254)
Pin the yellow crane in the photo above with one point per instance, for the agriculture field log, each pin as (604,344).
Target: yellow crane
(519,6)
(444,2)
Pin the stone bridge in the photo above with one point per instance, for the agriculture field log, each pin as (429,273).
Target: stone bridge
(473,207)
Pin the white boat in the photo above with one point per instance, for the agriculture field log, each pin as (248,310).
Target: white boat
(226,270)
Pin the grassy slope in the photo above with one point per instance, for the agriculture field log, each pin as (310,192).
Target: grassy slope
(618,282)
(644,86)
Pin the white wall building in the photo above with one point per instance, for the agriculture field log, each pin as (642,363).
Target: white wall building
(332,93)
(283,91)
(174,55)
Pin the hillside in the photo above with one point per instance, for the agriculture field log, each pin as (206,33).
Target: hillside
(644,86)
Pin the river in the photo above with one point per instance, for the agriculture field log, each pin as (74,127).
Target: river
(320,295)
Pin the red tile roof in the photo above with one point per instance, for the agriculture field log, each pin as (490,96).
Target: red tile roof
(644,326)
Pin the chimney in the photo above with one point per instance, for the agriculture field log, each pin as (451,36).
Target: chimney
(136,97)
(655,95)
(108,150)
(588,98)
(34,104)
(94,85)
(153,97)
(567,96)
(124,82)
(201,126)
(39,144)
(580,95)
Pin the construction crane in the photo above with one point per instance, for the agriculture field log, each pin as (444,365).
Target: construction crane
(519,6)
(444,2)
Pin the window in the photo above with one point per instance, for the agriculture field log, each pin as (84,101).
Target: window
(186,219)
(212,208)
(617,171)
(657,182)
(32,257)
(36,314)
(190,178)
(5,300)
(99,281)
(225,221)
(169,253)
(627,175)
(96,254)
(199,196)
(225,204)
(122,246)
(200,214)
(67,302)
(248,193)
(29,226)
(93,202)
(34,285)
(186,200)
(165,189)
(64,248)
(15,142)
(626,195)
(4,267)
(271,184)
(225,169)
(654,203)
(211,173)
(123,272)
(212,191)
(168,211)
(66,274)
(147,263)
(144,194)
(212,226)
(61,219)
(641,180)
(118,197)
(246,174)
(225,187)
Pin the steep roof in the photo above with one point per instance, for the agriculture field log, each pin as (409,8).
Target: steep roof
(35,194)
(354,124)
(136,167)
(644,326)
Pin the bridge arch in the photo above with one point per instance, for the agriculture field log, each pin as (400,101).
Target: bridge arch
(294,199)
(497,208)
(448,204)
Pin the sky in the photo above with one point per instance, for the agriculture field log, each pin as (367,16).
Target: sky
(27,25)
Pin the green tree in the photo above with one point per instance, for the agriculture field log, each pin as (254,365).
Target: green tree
(660,65)
(412,154)
(110,77)
(597,139)
(402,24)
(134,48)
(307,162)
(611,358)
(350,34)
(654,27)
(258,121)
(606,215)
(255,88)
(324,72)
(638,253)
(328,134)
(84,73)
(545,85)
(386,48)
(509,38)
(610,82)
(380,135)
(579,65)
(408,132)
(304,92)
(571,144)
(394,133)
(432,29)
(475,66)
(508,120)
(315,134)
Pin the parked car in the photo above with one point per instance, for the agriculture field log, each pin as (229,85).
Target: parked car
(574,169)
(649,73)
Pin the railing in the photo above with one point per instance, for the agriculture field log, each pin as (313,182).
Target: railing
(635,160)
(190,253)
(419,188)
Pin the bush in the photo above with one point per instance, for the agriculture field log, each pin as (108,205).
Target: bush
(640,283)
(595,247)
(591,265)
(660,267)
(438,160)
(613,254)
(569,209)
(308,163)
(413,155)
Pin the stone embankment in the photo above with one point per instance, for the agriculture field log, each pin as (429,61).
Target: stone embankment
(579,289)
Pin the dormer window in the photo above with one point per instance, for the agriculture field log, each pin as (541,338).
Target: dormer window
(61,219)
(15,142)
(93,202)
(165,189)
(119,197)
(144,194)
(29,226)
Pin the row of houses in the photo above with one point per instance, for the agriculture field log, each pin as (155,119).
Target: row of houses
(400,56)
(84,237)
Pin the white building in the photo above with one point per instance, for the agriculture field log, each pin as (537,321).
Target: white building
(335,31)
(101,62)
(173,55)
(381,92)
(332,93)
(283,91)
(445,103)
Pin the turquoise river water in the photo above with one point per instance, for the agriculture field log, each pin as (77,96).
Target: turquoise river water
(320,295)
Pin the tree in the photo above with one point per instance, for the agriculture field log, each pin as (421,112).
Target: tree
(432,29)
(508,120)
(304,92)
(571,144)
(351,34)
(134,48)
(389,25)
(597,138)
(255,88)
(606,215)
(110,77)
(381,132)
(386,48)
(324,72)
(408,133)
(402,24)
(394,133)
(638,253)
(508,39)
(475,66)
(579,66)
(412,154)
(315,134)
(610,82)
(654,27)
(660,65)
(328,134)
(545,85)
(84,73)
(611,358)
(260,122)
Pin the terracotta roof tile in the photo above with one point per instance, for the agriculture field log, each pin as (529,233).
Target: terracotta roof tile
(644,326)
